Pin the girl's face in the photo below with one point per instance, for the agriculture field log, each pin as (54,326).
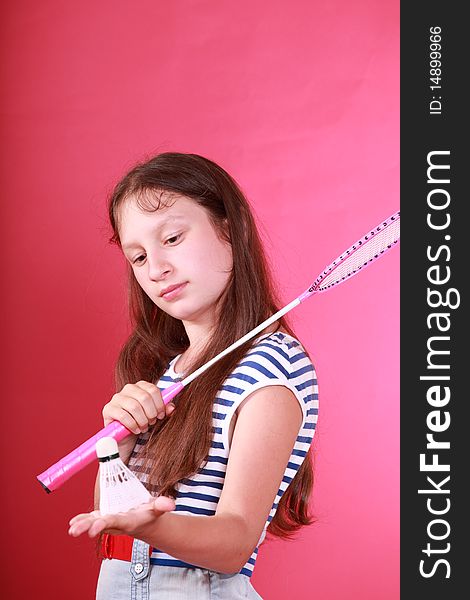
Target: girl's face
(174,245)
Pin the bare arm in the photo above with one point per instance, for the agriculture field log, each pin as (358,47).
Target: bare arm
(267,426)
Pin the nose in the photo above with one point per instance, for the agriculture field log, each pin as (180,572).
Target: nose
(157,269)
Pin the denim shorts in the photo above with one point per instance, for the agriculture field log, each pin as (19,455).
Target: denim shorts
(140,580)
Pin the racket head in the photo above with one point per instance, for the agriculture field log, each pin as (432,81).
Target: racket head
(372,246)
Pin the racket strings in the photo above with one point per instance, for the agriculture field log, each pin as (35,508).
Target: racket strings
(364,252)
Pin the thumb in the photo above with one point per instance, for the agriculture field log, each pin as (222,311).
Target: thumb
(163,504)
(170,407)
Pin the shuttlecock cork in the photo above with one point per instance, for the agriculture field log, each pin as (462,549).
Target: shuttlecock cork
(120,490)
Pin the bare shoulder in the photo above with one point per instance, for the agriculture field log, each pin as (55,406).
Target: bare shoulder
(273,397)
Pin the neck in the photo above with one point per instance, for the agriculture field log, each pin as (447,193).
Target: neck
(196,346)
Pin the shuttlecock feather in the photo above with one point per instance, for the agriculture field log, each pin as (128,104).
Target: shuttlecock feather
(120,490)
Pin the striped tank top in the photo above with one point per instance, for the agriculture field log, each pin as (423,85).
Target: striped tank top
(275,359)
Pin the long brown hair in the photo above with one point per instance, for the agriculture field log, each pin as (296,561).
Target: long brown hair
(179,445)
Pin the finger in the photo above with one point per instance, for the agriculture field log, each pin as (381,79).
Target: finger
(138,406)
(163,504)
(170,407)
(149,397)
(131,415)
(82,516)
(142,394)
(97,527)
(94,523)
(155,394)
(116,524)
(81,526)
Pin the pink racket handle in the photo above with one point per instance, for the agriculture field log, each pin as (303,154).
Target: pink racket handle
(85,454)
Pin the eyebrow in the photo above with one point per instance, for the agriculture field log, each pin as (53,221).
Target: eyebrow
(173,218)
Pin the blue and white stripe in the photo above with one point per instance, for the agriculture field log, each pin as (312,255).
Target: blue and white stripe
(276,359)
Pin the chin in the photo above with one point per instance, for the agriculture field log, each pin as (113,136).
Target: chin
(183,314)
(190,314)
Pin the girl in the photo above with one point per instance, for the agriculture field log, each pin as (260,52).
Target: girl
(228,459)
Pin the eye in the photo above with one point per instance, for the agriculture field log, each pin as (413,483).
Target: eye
(173,237)
(171,240)
(137,260)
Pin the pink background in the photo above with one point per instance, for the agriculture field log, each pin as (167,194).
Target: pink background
(300,102)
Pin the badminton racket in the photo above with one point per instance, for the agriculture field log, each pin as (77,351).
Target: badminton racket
(373,245)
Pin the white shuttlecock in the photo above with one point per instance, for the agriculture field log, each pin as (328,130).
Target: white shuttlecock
(120,490)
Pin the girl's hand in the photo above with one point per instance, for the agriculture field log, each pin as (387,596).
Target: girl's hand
(136,406)
(132,522)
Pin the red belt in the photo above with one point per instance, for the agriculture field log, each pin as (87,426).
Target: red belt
(117,546)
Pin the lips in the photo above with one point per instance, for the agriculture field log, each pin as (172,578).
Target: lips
(171,288)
